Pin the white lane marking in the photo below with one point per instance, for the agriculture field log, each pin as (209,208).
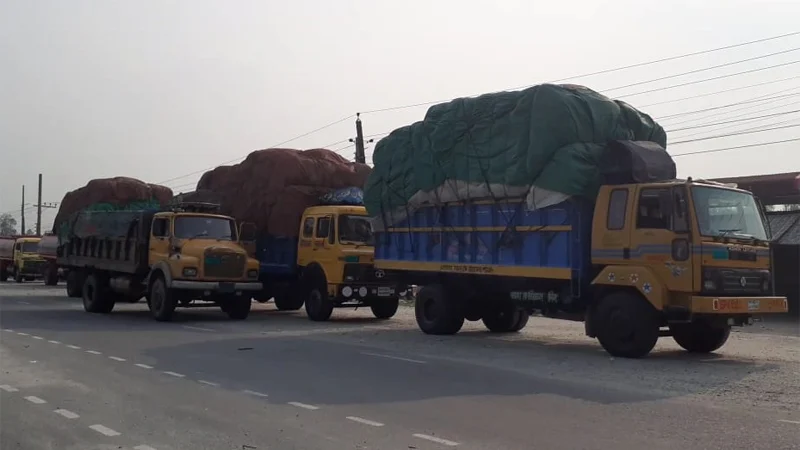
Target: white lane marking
(74,347)
(9,330)
(364,421)
(143,447)
(22,334)
(304,406)
(94,352)
(197,328)
(175,374)
(436,439)
(795,422)
(66,413)
(117,358)
(104,430)
(415,361)
(208,383)
(256,393)
(143,366)
(8,388)
(54,342)
(34,399)
(38,337)
(22,303)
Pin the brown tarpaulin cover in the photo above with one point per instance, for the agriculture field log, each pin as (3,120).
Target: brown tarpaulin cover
(272,187)
(117,191)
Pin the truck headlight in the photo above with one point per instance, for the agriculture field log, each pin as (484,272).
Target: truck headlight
(362,291)
(709,285)
(190,271)
(347,291)
(252,273)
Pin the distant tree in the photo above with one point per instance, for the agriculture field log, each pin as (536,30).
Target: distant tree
(8,224)
(29,231)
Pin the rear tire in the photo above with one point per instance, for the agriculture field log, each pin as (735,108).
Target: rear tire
(96,296)
(385,309)
(502,317)
(627,325)
(288,301)
(18,277)
(51,276)
(319,306)
(700,336)
(238,308)
(162,301)
(522,320)
(436,312)
(74,285)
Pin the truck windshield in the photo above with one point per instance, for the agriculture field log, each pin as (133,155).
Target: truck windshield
(29,247)
(727,213)
(355,230)
(199,227)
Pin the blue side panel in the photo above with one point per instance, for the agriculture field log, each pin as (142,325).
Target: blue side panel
(457,236)
(277,255)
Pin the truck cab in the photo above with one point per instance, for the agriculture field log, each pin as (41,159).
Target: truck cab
(696,251)
(336,258)
(25,263)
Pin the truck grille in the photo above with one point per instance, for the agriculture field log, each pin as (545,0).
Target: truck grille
(223,264)
(742,282)
(365,273)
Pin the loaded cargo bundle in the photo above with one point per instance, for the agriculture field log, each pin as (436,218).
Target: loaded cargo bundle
(271,188)
(545,144)
(109,194)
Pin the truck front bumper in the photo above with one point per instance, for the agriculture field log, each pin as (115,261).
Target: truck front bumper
(739,305)
(364,291)
(216,286)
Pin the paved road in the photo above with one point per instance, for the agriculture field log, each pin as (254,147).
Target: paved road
(72,380)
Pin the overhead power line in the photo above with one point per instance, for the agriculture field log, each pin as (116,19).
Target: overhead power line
(728,117)
(759,99)
(708,94)
(726,149)
(719,136)
(733,121)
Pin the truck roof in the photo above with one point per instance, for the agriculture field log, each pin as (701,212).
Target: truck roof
(356,210)
(186,213)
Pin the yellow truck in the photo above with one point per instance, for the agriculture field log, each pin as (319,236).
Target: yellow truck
(185,256)
(20,259)
(330,264)
(682,258)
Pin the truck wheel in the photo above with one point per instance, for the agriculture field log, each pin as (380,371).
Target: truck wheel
(238,308)
(162,301)
(436,312)
(288,301)
(319,306)
(51,276)
(3,273)
(96,298)
(18,277)
(74,285)
(700,336)
(522,320)
(627,325)
(501,317)
(385,309)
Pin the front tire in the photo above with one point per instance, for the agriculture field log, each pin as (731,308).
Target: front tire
(162,301)
(700,336)
(96,297)
(385,309)
(319,305)
(628,326)
(436,312)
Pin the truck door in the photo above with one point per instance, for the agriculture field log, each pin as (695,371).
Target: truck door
(159,240)
(324,238)
(305,242)
(661,239)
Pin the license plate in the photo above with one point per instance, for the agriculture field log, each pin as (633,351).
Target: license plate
(226,287)
(385,291)
(753,305)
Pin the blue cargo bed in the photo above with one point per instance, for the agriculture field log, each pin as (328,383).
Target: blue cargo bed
(277,255)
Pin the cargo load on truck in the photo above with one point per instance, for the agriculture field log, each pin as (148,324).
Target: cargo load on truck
(272,188)
(111,194)
(545,144)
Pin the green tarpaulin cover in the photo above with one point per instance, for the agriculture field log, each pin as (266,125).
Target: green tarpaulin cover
(544,143)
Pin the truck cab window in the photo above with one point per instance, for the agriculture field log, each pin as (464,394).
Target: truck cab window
(160,228)
(323,227)
(617,207)
(650,213)
(308,227)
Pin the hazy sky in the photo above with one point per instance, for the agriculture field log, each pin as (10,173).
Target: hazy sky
(158,89)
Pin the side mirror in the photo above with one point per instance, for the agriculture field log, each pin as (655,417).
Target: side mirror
(247,232)
(680,206)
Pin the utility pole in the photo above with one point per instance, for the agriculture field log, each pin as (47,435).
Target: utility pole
(361,157)
(39,209)
(22,211)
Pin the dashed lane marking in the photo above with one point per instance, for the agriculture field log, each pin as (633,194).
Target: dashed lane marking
(365,421)
(174,374)
(208,383)
(398,358)
(93,352)
(256,393)
(304,406)
(117,358)
(436,439)
(22,303)
(143,447)
(143,366)
(66,413)
(74,347)
(34,399)
(795,422)
(104,430)
(22,334)
(54,342)
(38,338)
(8,388)
(188,327)
(8,330)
